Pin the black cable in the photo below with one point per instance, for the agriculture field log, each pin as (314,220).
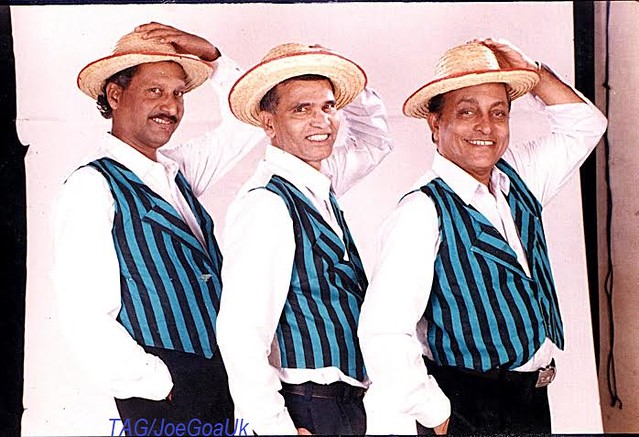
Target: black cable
(609,280)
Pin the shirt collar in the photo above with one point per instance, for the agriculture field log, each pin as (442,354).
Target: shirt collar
(136,161)
(463,183)
(297,171)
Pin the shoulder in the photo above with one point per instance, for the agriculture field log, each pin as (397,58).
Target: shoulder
(255,201)
(415,211)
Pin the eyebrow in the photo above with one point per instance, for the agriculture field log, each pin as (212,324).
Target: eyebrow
(476,102)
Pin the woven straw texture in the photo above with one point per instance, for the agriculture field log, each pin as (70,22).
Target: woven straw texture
(132,50)
(468,65)
(289,60)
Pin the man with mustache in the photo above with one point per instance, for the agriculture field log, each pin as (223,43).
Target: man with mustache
(463,275)
(136,267)
(293,278)
(137,264)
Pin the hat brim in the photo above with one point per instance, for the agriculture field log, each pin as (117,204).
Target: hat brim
(92,77)
(348,80)
(518,82)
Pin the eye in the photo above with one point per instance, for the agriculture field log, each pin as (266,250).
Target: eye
(500,114)
(329,107)
(178,93)
(155,90)
(466,112)
(301,109)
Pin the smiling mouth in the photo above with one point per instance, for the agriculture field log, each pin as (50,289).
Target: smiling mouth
(318,138)
(481,142)
(164,120)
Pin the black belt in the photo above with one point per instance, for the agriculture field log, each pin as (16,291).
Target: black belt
(540,378)
(336,390)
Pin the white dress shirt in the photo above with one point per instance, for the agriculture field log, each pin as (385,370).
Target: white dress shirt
(259,250)
(392,331)
(86,273)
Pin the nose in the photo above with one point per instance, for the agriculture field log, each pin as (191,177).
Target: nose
(171,104)
(484,124)
(321,118)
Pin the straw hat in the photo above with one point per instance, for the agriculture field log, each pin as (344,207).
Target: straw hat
(289,60)
(132,50)
(467,65)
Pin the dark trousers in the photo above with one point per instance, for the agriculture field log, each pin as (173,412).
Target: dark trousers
(200,394)
(335,409)
(505,403)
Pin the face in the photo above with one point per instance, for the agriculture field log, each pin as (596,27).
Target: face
(472,130)
(305,121)
(149,110)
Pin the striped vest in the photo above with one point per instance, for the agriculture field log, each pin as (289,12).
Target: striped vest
(318,326)
(170,284)
(484,311)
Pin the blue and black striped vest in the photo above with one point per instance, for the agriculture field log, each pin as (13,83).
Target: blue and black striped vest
(318,326)
(170,284)
(484,311)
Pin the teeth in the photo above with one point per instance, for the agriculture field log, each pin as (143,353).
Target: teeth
(318,137)
(161,121)
(481,143)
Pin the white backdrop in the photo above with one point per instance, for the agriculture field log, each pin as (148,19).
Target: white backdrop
(396,43)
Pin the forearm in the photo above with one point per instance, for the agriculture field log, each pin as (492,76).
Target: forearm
(206,159)
(86,280)
(552,90)
(547,163)
(394,304)
(363,145)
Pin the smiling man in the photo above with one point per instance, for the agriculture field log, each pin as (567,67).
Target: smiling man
(463,276)
(293,279)
(137,266)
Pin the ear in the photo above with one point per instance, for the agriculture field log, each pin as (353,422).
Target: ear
(433,123)
(266,121)
(113,94)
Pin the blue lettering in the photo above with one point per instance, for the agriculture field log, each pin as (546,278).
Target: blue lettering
(226,427)
(218,429)
(113,426)
(243,427)
(195,427)
(169,429)
(140,426)
(207,429)
(158,432)
(126,427)
(180,429)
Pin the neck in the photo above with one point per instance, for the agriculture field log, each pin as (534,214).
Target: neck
(149,152)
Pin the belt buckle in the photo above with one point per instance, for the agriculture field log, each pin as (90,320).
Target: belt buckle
(546,376)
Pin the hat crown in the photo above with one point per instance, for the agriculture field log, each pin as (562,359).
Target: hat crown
(466,58)
(291,49)
(134,43)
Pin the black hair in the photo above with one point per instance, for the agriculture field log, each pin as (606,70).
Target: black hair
(271,99)
(121,78)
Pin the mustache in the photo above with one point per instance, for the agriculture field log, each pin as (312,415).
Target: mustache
(172,118)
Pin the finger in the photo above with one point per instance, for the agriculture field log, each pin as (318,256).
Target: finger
(170,35)
(151,26)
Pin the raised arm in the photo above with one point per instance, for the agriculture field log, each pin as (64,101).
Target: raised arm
(205,159)
(363,145)
(576,126)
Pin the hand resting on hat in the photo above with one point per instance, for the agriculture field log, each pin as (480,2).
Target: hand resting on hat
(183,42)
(507,54)
(550,88)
